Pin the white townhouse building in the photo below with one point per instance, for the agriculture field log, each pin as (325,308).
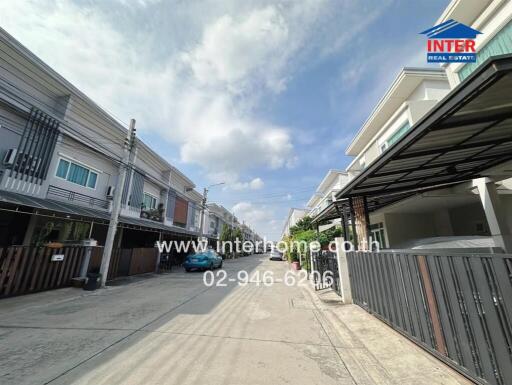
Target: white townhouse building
(217,218)
(325,194)
(431,163)
(294,215)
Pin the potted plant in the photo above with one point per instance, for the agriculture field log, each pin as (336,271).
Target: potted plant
(294,258)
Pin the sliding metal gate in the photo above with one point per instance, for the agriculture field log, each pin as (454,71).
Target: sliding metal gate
(325,271)
(457,306)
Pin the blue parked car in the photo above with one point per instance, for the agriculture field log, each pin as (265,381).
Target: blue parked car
(207,260)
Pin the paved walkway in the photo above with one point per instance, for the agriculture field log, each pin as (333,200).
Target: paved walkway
(172,329)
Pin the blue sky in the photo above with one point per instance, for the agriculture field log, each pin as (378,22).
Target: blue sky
(262,95)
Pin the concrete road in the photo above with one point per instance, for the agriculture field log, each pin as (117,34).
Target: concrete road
(172,329)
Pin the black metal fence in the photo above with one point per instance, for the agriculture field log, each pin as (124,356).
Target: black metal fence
(325,271)
(458,306)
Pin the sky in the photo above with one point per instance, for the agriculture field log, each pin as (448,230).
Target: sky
(264,96)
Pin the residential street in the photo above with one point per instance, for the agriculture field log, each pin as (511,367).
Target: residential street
(172,329)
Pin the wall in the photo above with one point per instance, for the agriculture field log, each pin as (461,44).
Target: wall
(12,123)
(506,202)
(71,150)
(402,228)
(464,219)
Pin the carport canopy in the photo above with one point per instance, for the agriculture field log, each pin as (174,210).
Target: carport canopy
(462,137)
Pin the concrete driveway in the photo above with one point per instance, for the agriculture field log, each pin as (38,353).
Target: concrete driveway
(172,329)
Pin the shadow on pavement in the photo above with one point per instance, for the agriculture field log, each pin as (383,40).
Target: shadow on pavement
(51,342)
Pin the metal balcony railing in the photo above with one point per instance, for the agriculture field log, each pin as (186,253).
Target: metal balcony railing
(74,197)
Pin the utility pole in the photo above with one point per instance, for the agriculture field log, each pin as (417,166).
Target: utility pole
(232,233)
(129,144)
(203,208)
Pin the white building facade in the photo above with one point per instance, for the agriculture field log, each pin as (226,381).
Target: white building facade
(294,215)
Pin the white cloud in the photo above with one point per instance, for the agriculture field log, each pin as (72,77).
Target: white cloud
(254,184)
(260,217)
(236,52)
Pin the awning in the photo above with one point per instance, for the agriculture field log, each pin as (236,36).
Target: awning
(51,205)
(132,222)
(84,213)
(463,136)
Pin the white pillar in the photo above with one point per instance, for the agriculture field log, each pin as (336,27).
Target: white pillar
(86,261)
(495,213)
(341,255)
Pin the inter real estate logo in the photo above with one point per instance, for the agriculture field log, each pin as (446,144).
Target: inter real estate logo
(451,42)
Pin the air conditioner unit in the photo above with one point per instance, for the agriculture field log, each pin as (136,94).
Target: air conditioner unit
(110,192)
(10,156)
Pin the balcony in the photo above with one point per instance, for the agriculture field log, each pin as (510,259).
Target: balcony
(57,193)
(156,214)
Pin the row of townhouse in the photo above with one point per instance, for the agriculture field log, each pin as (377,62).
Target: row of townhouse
(218,218)
(60,161)
(430,165)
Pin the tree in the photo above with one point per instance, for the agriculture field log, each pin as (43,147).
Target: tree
(328,235)
(303,224)
(226,234)
(237,234)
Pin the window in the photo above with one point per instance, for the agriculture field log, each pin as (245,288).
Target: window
(92,180)
(76,173)
(62,170)
(149,202)
(378,235)
(395,137)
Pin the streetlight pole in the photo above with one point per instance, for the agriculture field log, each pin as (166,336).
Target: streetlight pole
(203,207)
